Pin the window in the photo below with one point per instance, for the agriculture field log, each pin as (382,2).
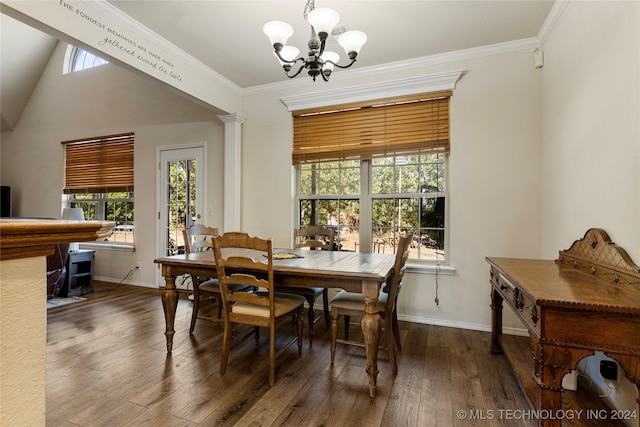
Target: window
(99,179)
(77,59)
(404,193)
(116,207)
(329,194)
(376,170)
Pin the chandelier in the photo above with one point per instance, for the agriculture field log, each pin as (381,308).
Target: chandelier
(318,61)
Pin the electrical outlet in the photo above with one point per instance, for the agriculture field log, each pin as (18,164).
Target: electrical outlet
(138,265)
(609,370)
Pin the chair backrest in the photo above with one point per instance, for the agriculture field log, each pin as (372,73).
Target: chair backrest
(198,238)
(314,237)
(399,267)
(244,260)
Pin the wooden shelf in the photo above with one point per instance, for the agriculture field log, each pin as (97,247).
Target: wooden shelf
(517,350)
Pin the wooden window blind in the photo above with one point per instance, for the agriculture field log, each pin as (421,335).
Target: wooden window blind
(399,126)
(101,164)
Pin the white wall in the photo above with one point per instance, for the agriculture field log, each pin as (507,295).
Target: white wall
(102,101)
(514,190)
(494,179)
(591,143)
(591,121)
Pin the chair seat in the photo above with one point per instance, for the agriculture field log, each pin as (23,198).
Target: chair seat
(313,292)
(310,294)
(355,301)
(284,303)
(213,285)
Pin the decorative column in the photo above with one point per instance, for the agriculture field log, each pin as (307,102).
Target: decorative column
(232,168)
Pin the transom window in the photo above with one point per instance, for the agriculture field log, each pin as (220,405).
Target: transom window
(77,59)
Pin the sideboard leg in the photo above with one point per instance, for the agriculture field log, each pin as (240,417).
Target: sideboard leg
(548,399)
(496,321)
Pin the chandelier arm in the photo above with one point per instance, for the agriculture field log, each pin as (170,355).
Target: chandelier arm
(325,77)
(341,66)
(302,67)
(286,60)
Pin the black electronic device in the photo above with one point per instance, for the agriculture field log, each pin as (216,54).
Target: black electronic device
(5,201)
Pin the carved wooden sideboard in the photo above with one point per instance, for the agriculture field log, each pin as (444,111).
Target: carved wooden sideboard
(587,300)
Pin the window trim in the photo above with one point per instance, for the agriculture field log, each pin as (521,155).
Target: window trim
(100,212)
(389,89)
(438,82)
(366,197)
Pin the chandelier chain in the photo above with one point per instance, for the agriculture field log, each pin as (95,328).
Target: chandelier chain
(308,8)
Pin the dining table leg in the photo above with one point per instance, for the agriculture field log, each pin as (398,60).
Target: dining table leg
(170,304)
(371,328)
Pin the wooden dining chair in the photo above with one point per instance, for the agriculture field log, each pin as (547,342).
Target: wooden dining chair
(248,261)
(198,238)
(313,237)
(349,304)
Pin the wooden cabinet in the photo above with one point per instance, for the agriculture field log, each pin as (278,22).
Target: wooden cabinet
(587,300)
(79,274)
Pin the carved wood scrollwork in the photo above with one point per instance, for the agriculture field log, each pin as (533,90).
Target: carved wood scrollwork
(558,361)
(517,299)
(596,254)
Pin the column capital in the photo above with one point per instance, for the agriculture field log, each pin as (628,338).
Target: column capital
(233,118)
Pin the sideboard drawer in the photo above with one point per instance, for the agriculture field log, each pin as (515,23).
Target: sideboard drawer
(521,304)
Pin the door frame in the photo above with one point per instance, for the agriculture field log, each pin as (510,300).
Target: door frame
(202,169)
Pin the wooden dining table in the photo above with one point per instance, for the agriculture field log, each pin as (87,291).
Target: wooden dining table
(352,271)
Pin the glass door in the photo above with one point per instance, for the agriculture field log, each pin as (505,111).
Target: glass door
(181,189)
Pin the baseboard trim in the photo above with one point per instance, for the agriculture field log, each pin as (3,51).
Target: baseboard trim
(125,282)
(414,319)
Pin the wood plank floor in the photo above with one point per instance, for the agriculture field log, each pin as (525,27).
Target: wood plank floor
(107,365)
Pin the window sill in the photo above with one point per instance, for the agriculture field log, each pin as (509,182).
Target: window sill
(445,270)
(107,246)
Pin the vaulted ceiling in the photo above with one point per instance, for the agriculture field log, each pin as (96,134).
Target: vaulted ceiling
(227,36)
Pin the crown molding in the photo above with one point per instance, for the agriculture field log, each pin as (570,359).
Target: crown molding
(448,57)
(531,43)
(135,26)
(512,46)
(387,89)
(552,19)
